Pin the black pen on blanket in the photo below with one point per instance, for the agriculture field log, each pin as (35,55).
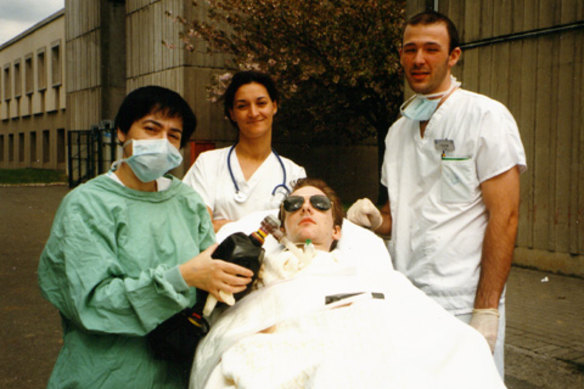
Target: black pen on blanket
(341,296)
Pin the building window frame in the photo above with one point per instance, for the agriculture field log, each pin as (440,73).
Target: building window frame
(21,147)
(33,146)
(6,76)
(17,79)
(56,64)
(10,147)
(41,69)
(61,149)
(46,146)
(28,74)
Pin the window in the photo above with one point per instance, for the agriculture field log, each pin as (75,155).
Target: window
(56,63)
(10,147)
(41,70)
(17,79)
(33,147)
(7,90)
(46,146)
(28,75)
(61,145)
(21,147)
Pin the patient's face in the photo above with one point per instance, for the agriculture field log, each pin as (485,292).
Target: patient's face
(311,223)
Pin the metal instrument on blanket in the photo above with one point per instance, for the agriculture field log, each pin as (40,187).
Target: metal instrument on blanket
(271,224)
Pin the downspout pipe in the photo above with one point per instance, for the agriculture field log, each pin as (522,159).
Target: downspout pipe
(523,35)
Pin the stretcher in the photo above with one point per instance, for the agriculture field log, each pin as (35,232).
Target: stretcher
(346,321)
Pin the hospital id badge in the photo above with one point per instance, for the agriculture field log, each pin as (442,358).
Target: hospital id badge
(444,145)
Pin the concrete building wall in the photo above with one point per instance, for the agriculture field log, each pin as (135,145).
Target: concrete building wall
(96,76)
(33,98)
(150,62)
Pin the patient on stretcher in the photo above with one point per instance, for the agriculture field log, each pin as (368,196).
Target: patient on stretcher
(311,220)
(331,312)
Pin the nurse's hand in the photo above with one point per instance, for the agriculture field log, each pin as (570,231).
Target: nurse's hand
(214,275)
(364,213)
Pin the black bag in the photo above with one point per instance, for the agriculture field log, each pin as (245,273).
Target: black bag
(243,250)
(176,339)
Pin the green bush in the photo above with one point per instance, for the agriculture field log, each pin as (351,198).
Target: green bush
(28,175)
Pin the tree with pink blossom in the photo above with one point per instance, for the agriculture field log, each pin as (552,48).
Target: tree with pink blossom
(336,62)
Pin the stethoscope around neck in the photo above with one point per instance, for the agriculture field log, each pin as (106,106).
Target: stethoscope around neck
(241,197)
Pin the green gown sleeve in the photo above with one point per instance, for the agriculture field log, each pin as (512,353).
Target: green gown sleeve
(84,272)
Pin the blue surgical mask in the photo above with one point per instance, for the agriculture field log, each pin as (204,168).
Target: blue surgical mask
(419,107)
(422,107)
(151,158)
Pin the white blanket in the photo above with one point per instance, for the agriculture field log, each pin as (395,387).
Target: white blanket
(285,335)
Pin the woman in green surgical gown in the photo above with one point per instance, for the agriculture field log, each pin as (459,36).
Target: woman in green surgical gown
(127,250)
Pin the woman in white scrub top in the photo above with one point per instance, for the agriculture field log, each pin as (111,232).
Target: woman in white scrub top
(249,176)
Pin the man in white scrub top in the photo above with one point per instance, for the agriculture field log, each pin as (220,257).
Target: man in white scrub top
(451,167)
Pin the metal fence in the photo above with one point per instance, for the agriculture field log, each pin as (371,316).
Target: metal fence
(90,152)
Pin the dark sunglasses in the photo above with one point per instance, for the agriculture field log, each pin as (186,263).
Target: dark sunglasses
(294,203)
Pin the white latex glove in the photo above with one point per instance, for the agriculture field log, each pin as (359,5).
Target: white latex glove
(486,321)
(212,301)
(364,213)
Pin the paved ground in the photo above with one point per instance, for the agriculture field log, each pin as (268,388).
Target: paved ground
(545,330)
(545,341)
(30,331)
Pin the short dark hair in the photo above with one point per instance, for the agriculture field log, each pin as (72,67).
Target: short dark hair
(244,78)
(431,17)
(337,207)
(151,99)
